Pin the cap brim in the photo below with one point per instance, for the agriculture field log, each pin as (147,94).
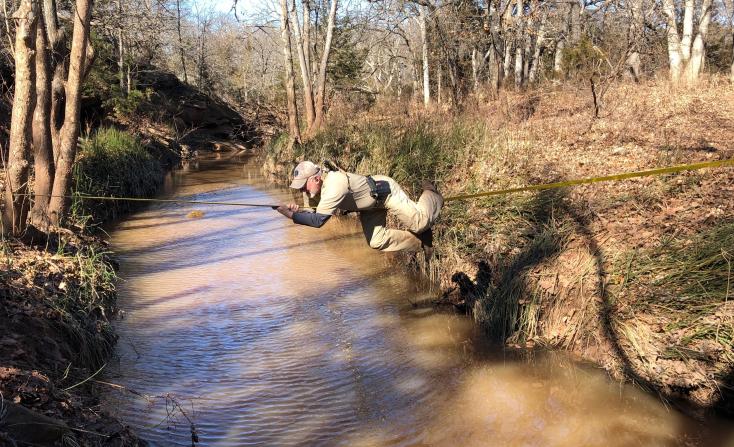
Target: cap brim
(298,183)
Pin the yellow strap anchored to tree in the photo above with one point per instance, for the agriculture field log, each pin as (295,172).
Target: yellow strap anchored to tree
(583,181)
(606,178)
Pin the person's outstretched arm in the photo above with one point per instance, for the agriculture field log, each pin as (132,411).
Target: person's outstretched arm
(316,220)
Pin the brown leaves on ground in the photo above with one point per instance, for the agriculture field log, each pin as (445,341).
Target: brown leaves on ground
(38,355)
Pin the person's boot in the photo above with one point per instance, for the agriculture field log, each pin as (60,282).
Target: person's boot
(429,186)
(426,239)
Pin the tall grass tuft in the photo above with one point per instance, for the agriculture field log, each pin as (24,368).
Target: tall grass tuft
(112,163)
(689,281)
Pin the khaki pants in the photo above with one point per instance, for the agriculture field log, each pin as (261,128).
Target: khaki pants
(418,217)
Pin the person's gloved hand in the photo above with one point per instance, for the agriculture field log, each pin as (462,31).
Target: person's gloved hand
(287,210)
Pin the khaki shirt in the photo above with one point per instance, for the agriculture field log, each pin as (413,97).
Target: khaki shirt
(345,191)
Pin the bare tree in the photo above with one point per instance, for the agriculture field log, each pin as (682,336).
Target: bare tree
(684,57)
(180,41)
(290,85)
(43,168)
(321,85)
(70,131)
(539,43)
(16,198)
(303,50)
(422,24)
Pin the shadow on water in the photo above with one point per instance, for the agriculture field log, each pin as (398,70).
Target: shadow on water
(312,427)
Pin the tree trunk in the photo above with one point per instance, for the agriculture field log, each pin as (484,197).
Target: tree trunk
(290,87)
(120,50)
(180,40)
(24,98)
(308,53)
(42,146)
(474,70)
(321,93)
(731,31)
(533,74)
(495,69)
(674,47)
(732,45)
(519,43)
(558,57)
(305,72)
(507,65)
(634,33)
(56,39)
(70,130)
(698,52)
(439,84)
(518,66)
(575,11)
(423,25)
(686,39)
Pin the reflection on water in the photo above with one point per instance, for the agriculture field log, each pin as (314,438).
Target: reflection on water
(274,334)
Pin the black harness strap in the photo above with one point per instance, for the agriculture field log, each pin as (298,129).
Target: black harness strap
(379,189)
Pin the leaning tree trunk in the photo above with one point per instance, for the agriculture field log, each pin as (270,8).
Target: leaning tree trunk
(290,85)
(16,170)
(43,167)
(70,130)
(321,93)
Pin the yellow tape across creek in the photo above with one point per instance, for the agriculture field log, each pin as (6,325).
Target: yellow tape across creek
(606,178)
(583,181)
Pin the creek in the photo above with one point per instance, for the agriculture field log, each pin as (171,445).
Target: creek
(271,334)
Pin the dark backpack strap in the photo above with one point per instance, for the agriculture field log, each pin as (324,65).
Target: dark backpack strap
(379,189)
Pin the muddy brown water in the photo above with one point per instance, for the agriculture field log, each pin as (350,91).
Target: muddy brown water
(271,334)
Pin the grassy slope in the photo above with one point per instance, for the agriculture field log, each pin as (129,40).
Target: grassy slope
(633,275)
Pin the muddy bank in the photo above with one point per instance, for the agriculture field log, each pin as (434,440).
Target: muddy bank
(55,311)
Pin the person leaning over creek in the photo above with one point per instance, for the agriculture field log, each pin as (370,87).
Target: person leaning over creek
(373,197)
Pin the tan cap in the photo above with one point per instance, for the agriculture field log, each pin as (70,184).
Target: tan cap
(303,171)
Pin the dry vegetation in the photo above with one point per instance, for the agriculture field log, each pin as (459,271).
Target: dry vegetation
(633,275)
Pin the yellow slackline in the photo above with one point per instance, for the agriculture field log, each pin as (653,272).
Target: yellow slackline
(606,178)
(540,187)
(141,199)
